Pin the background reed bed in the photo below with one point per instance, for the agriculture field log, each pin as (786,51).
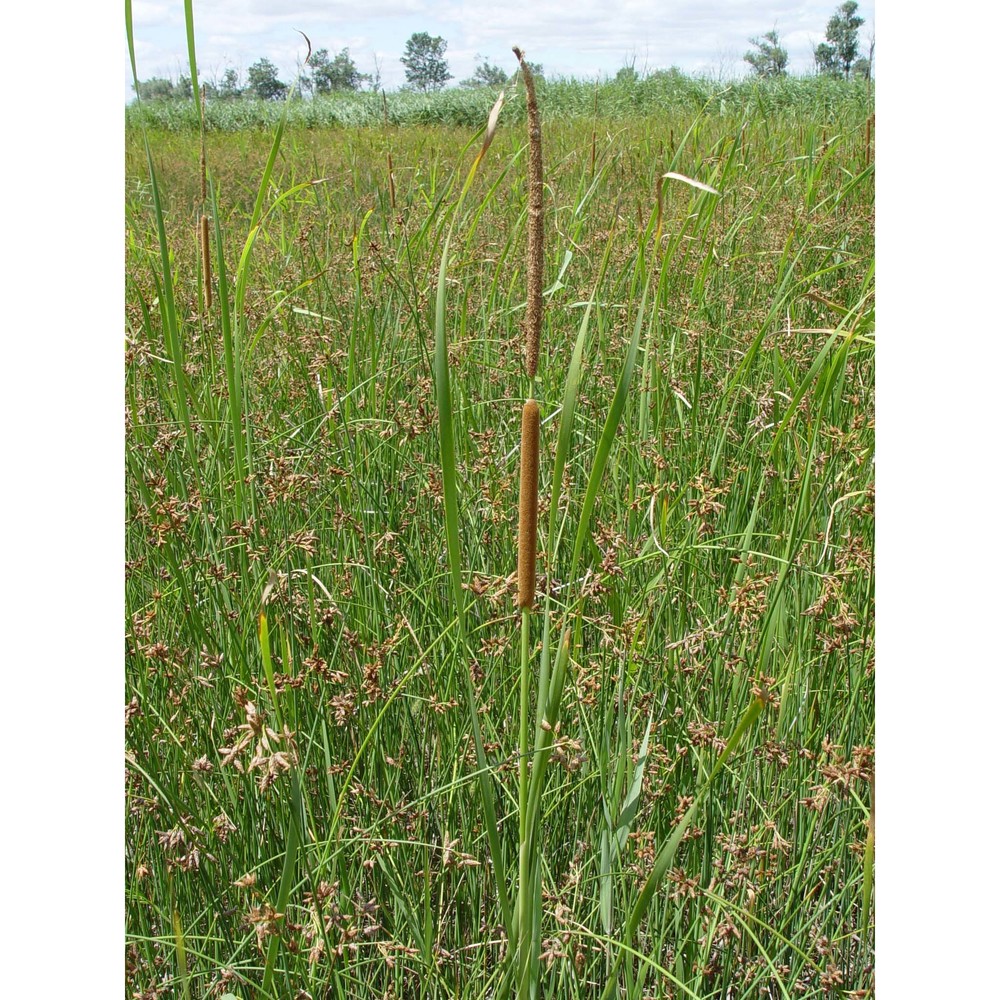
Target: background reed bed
(807,99)
(306,782)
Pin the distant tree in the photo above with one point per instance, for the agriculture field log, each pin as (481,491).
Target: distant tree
(156,88)
(627,75)
(229,86)
(862,69)
(183,90)
(263,82)
(825,57)
(486,75)
(838,53)
(426,68)
(770,59)
(328,75)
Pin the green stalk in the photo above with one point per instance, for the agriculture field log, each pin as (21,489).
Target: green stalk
(868,878)
(525,703)
(233,365)
(610,431)
(527,821)
(449,479)
(178,929)
(284,886)
(567,413)
(292,827)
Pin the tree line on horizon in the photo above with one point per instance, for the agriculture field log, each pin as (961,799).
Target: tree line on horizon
(427,69)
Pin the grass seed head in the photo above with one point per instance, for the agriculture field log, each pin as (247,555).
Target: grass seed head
(536,230)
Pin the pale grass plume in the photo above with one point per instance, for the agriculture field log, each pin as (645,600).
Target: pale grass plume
(684,179)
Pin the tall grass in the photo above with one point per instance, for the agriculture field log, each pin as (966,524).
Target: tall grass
(807,99)
(322,677)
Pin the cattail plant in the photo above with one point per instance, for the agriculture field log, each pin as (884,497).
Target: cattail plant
(529,888)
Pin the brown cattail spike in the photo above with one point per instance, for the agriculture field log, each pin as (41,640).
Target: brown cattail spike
(206,263)
(527,525)
(536,234)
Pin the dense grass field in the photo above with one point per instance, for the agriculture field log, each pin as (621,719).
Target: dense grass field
(815,100)
(322,509)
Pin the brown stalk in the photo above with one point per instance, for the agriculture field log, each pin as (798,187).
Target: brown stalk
(536,235)
(659,209)
(527,522)
(206,263)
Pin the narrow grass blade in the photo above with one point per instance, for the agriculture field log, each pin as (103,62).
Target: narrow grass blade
(233,364)
(182,971)
(192,60)
(284,894)
(614,840)
(608,436)
(868,878)
(449,478)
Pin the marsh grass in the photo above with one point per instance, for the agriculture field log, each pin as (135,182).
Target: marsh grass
(305,776)
(808,100)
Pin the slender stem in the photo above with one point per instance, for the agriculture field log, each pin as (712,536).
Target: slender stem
(523,747)
(524,893)
(525,930)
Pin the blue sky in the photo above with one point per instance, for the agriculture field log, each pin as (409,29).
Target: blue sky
(579,38)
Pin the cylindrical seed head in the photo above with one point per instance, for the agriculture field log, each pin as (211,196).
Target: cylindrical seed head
(527,526)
